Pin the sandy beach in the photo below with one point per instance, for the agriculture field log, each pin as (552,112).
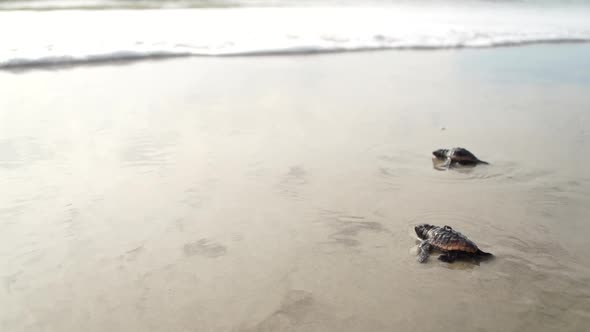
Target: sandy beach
(280,193)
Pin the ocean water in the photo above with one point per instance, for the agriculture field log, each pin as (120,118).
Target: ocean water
(38,33)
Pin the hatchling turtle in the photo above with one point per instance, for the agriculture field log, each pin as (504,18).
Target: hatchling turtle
(451,243)
(457,156)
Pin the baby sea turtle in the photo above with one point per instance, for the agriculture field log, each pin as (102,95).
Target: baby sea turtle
(457,156)
(453,244)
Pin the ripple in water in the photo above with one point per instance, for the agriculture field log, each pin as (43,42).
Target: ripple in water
(463,173)
(22,151)
(291,182)
(348,228)
(204,247)
(147,151)
(451,218)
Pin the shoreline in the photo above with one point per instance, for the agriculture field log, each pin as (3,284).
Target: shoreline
(105,60)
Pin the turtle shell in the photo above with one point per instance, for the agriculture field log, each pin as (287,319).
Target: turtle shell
(446,238)
(462,155)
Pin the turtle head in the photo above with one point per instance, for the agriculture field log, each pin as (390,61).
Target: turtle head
(422,230)
(440,153)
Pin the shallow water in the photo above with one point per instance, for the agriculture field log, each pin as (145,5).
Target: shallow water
(279,194)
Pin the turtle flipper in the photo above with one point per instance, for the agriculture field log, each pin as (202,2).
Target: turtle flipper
(447,163)
(448,257)
(423,251)
(444,166)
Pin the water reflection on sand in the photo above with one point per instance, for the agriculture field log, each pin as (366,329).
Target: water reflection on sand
(224,206)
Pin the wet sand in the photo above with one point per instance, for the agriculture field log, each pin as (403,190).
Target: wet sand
(279,193)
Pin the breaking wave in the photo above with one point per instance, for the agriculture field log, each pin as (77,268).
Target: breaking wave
(80,36)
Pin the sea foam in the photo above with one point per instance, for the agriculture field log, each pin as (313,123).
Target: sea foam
(62,37)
